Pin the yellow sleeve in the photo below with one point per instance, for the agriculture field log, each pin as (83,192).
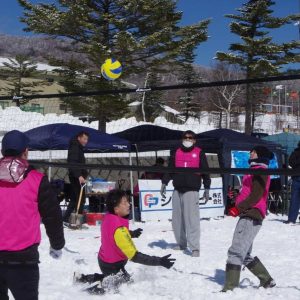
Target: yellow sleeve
(124,242)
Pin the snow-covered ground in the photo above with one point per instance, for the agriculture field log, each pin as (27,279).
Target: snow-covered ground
(277,245)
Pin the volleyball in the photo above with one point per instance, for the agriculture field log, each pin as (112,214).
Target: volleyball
(111,69)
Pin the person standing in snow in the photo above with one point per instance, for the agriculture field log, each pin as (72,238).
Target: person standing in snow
(294,162)
(26,197)
(117,246)
(251,207)
(185,199)
(77,177)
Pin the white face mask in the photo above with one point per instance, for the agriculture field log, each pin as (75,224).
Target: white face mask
(187,144)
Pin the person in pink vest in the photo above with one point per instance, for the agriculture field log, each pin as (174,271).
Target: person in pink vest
(117,246)
(26,198)
(185,199)
(251,207)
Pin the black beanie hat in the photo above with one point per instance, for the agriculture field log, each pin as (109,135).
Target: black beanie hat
(263,152)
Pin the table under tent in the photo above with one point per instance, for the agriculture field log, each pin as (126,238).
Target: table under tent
(53,140)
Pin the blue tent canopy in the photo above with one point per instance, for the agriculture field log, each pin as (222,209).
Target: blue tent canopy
(289,141)
(156,138)
(234,140)
(58,136)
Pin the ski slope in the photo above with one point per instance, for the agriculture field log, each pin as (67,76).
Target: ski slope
(277,245)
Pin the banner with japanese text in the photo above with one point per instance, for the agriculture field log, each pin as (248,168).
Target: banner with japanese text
(155,207)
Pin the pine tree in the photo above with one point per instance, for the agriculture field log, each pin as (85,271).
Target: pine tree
(20,69)
(257,54)
(187,102)
(141,34)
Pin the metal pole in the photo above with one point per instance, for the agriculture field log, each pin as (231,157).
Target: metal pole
(143,98)
(279,101)
(131,189)
(272,100)
(137,158)
(285,100)
(50,160)
(298,112)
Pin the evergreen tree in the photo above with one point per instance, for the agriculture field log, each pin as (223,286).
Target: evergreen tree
(141,34)
(20,69)
(257,54)
(187,103)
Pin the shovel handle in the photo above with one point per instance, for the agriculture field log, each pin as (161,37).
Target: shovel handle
(80,198)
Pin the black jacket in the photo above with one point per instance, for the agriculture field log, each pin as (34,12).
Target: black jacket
(185,182)
(76,155)
(294,160)
(51,215)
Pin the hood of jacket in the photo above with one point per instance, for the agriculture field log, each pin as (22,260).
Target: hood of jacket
(13,169)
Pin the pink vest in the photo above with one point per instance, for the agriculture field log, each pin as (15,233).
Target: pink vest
(190,159)
(261,205)
(19,214)
(109,252)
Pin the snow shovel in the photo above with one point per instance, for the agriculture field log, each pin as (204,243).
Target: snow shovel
(76,219)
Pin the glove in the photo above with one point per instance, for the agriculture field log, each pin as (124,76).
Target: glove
(136,233)
(233,211)
(167,262)
(206,194)
(163,190)
(56,254)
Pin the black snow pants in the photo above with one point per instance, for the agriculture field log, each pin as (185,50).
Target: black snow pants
(21,279)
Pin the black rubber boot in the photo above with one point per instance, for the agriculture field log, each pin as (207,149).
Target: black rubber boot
(96,289)
(90,278)
(258,269)
(232,279)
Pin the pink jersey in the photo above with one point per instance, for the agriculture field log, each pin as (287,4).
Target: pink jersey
(261,205)
(109,252)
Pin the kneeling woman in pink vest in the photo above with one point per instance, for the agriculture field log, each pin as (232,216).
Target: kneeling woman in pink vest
(117,246)
(251,207)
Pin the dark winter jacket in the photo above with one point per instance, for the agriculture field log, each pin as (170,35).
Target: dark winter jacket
(51,216)
(76,155)
(185,182)
(294,160)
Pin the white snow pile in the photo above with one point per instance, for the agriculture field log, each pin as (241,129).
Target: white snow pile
(14,118)
(277,245)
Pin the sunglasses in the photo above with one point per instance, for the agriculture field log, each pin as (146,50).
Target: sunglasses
(188,137)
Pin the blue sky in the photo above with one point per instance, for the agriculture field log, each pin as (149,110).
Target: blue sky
(193,11)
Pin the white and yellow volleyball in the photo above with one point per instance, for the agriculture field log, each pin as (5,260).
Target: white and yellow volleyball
(111,69)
